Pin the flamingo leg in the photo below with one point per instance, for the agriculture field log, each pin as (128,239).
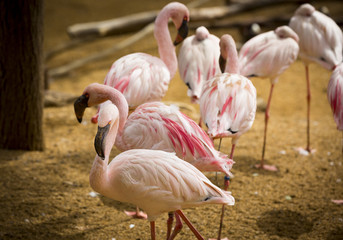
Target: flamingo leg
(308,107)
(266,119)
(189,224)
(169,223)
(152,230)
(177,228)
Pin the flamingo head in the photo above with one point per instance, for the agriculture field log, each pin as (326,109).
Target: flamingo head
(108,122)
(286,32)
(180,16)
(305,10)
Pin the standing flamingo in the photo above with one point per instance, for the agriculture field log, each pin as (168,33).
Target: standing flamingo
(269,55)
(142,77)
(320,41)
(156,181)
(157,126)
(198,61)
(228,102)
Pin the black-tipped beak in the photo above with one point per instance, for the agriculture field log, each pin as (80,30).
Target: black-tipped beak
(80,105)
(222,63)
(182,32)
(99,141)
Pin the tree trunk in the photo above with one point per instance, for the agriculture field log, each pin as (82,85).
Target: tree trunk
(21,75)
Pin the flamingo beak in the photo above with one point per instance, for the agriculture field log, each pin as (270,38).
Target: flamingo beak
(80,105)
(222,63)
(182,32)
(99,141)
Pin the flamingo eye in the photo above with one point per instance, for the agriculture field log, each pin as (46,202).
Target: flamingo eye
(109,123)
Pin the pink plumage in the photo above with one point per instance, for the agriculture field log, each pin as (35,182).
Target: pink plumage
(320,38)
(158,126)
(198,61)
(269,55)
(335,95)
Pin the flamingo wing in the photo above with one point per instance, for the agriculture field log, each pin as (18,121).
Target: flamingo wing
(158,182)
(158,126)
(140,77)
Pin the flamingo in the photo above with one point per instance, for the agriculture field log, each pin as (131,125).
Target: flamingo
(320,41)
(228,102)
(142,77)
(198,61)
(268,55)
(154,180)
(157,126)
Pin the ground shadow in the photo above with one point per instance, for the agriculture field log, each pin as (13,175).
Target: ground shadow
(246,165)
(284,223)
(120,206)
(335,234)
(48,230)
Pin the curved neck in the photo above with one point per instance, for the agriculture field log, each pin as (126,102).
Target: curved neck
(166,47)
(98,174)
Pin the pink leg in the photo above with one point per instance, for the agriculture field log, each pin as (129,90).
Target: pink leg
(152,230)
(266,118)
(308,108)
(189,224)
(177,228)
(137,214)
(169,223)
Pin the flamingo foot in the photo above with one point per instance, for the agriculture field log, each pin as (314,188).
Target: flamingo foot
(305,151)
(270,168)
(338,202)
(139,214)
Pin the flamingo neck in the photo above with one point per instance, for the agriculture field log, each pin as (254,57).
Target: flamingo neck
(229,52)
(98,175)
(166,48)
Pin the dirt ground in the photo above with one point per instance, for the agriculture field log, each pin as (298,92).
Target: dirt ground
(46,195)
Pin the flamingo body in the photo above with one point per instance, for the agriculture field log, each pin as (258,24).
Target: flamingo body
(228,105)
(198,61)
(269,54)
(157,126)
(140,77)
(320,38)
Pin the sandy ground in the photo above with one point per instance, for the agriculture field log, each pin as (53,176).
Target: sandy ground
(46,195)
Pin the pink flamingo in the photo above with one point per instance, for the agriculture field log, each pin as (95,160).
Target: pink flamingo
(157,126)
(228,102)
(198,61)
(154,180)
(320,41)
(145,78)
(269,55)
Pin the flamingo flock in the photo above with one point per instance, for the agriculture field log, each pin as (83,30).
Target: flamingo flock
(164,152)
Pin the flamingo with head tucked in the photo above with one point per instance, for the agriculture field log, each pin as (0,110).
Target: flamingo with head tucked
(320,41)
(269,55)
(198,61)
(228,102)
(154,180)
(145,78)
